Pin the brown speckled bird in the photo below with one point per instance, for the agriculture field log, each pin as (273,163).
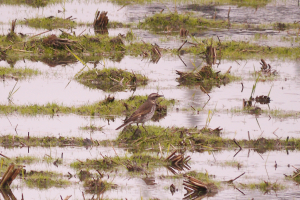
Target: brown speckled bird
(144,113)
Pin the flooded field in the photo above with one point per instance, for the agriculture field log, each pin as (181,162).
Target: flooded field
(226,126)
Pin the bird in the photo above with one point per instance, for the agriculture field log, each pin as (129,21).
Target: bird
(144,113)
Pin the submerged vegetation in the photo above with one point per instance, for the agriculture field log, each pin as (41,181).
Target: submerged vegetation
(167,148)
(49,23)
(45,180)
(136,162)
(33,3)
(91,128)
(247,3)
(17,73)
(264,186)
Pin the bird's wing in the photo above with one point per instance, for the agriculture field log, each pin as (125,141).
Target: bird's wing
(142,110)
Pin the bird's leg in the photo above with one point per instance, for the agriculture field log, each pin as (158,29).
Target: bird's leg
(145,128)
(136,128)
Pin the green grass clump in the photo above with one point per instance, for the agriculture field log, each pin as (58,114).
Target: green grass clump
(297,178)
(44,180)
(17,72)
(175,21)
(157,136)
(205,77)
(10,141)
(91,128)
(264,186)
(274,113)
(25,160)
(111,79)
(101,108)
(165,136)
(232,163)
(204,177)
(241,3)
(233,50)
(137,162)
(33,3)
(96,186)
(203,138)
(49,23)
(246,3)
(20,160)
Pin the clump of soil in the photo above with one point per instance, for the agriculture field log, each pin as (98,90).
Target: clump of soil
(84,175)
(96,186)
(190,77)
(58,43)
(281,26)
(133,167)
(205,74)
(262,99)
(111,80)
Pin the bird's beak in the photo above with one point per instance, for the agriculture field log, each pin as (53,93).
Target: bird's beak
(160,95)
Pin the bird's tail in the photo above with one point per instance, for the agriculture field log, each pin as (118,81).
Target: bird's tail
(125,124)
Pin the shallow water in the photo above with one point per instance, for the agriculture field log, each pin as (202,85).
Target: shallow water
(272,13)
(233,125)
(81,10)
(83,30)
(84,11)
(258,167)
(52,86)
